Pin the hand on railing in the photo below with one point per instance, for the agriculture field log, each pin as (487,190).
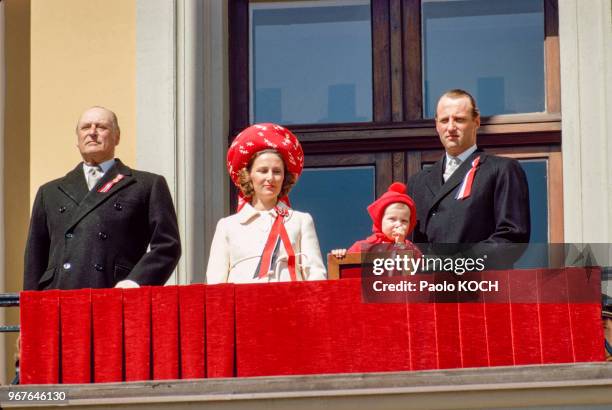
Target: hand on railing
(339,253)
(127,284)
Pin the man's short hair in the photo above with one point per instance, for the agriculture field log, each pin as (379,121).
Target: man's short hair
(458,93)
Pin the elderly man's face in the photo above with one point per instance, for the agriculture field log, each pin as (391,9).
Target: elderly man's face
(456,125)
(97,136)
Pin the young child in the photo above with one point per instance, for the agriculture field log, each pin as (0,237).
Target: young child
(393,216)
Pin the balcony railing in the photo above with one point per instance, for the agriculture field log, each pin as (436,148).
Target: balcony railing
(10,300)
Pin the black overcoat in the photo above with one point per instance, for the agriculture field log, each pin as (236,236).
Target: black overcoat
(92,239)
(496,212)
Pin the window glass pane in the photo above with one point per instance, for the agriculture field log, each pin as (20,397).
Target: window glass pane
(311,62)
(337,199)
(536,170)
(538,198)
(492,48)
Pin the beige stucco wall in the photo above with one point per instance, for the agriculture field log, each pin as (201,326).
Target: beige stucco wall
(16,157)
(82,54)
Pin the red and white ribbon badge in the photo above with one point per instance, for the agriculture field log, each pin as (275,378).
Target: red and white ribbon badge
(465,190)
(106,187)
(278,232)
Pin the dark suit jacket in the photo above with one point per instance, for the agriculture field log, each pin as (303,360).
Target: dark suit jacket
(496,212)
(91,239)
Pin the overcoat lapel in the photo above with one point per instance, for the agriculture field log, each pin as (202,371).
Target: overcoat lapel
(74,184)
(434,177)
(93,199)
(455,179)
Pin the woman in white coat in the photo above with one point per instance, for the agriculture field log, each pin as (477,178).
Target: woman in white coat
(266,240)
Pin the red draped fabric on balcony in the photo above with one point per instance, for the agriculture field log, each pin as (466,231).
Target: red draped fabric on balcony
(230,330)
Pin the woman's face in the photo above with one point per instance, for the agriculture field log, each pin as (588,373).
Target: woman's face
(267,175)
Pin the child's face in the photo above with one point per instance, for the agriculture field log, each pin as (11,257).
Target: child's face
(395,221)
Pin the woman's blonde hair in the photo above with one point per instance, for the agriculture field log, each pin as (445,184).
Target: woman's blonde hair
(246,185)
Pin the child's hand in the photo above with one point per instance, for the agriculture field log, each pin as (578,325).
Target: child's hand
(399,234)
(339,253)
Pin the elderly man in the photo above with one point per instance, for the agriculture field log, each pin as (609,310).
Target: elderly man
(469,196)
(92,228)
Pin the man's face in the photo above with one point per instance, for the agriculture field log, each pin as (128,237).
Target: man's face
(97,136)
(456,125)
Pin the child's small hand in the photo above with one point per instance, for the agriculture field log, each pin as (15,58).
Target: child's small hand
(399,234)
(339,253)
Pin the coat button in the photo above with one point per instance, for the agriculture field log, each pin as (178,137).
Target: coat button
(99,267)
(67,266)
(118,206)
(102,235)
(62,209)
(69,235)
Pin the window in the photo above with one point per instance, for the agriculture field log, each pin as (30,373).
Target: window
(505,52)
(338,196)
(310,62)
(506,79)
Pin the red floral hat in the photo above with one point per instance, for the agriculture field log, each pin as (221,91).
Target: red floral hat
(260,137)
(395,193)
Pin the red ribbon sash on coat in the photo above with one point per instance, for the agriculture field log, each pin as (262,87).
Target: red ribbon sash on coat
(278,232)
(106,187)
(465,190)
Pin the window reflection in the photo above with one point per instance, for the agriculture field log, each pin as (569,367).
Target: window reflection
(311,62)
(492,48)
(337,199)
(537,178)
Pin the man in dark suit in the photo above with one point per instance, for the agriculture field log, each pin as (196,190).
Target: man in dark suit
(469,196)
(92,228)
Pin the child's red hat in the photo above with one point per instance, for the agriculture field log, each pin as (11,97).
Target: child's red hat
(395,193)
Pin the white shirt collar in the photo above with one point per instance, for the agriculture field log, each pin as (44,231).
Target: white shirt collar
(464,155)
(106,165)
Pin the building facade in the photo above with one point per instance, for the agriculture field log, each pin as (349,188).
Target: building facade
(356,80)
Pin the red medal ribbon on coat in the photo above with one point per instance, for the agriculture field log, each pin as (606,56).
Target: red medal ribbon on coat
(277,232)
(465,190)
(106,187)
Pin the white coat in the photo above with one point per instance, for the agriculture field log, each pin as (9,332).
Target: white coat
(239,241)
